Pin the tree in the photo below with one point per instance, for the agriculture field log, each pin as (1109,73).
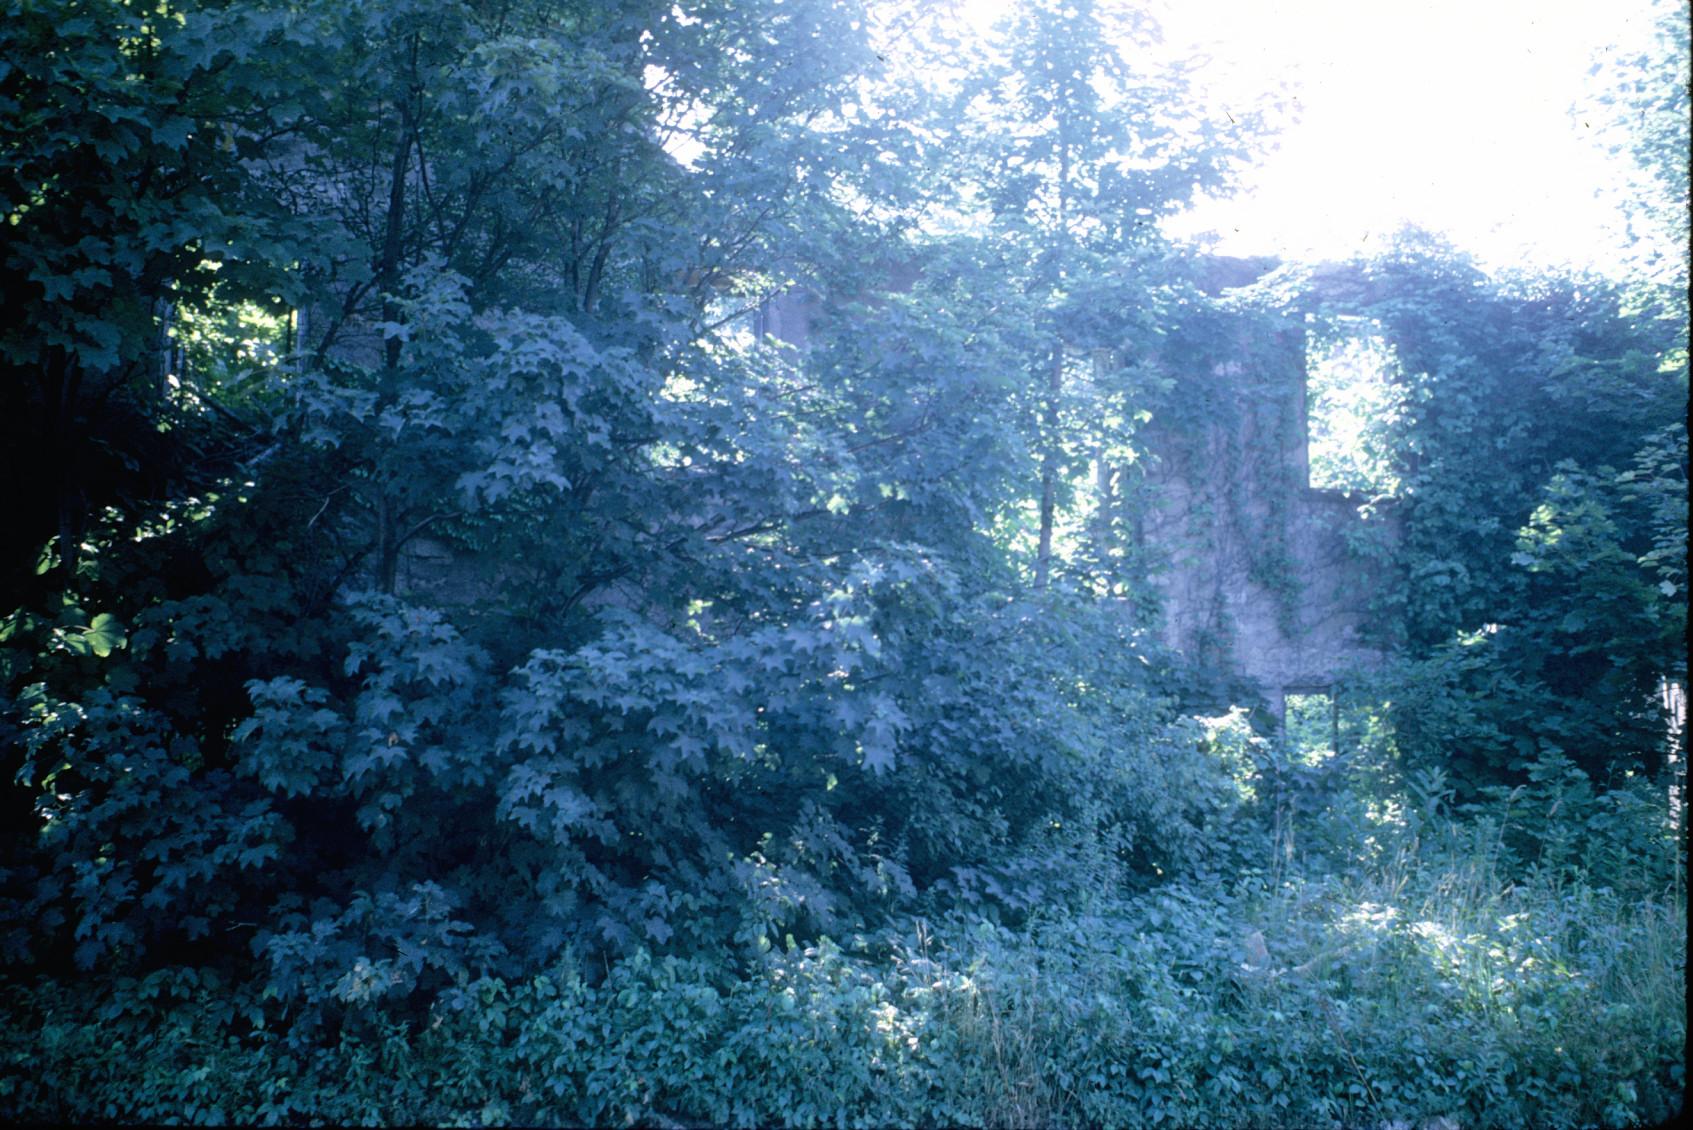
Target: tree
(126,205)
(530,607)
(1642,111)
(1084,140)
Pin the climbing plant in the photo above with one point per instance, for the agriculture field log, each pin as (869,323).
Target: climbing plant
(1542,461)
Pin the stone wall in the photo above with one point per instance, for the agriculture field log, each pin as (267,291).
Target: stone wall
(1261,579)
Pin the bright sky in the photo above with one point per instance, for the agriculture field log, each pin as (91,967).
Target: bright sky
(1452,114)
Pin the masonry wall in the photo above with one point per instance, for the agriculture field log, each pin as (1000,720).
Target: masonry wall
(1261,579)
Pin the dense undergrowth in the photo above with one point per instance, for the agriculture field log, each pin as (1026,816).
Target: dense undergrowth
(1521,963)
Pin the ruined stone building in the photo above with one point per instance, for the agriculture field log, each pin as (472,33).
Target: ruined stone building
(1263,580)
(1261,576)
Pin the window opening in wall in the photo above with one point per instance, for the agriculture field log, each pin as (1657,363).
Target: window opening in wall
(1353,403)
(1673,694)
(1312,726)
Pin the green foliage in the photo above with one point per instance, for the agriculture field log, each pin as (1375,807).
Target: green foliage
(1540,456)
(1642,110)
(726,648)
(125,202)
(1427,986)
(453,675)
(1353,398)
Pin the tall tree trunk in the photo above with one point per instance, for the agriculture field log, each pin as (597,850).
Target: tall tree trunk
(1103,483)
(387,546)
(388,273)
(1049,469)
(1055,385)
(392,242)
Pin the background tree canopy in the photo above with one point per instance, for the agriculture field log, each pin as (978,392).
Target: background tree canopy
(419,579)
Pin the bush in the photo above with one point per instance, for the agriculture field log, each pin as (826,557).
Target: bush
(1432,985)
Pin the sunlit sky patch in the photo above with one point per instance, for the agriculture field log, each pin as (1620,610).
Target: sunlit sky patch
(1458,116)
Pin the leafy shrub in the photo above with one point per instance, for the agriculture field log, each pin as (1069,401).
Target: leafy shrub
(1431,986)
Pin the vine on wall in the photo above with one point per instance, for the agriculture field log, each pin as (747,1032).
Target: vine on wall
(1541,459)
